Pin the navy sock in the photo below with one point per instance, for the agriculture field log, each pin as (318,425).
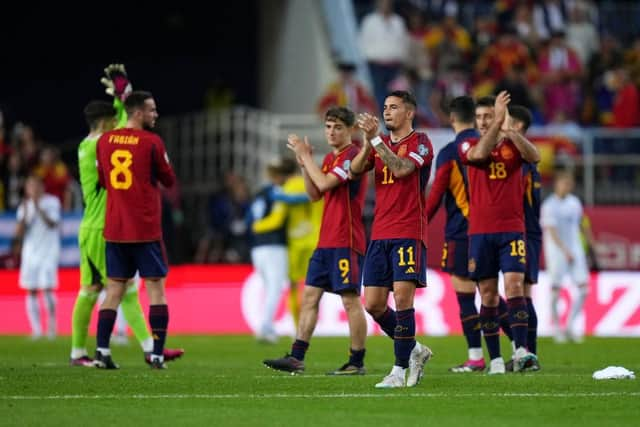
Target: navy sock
(299,349)
(503,318)
(404,338)
(106,320)
(158,320)
(356,357)
(388,322)
(490,330)
(532,332)
(470,319)
(519,319)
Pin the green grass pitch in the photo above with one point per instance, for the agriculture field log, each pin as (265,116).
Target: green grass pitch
(221,382)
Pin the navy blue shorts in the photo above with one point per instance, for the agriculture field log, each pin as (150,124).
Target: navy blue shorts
(147,258)
(395,260)
(534,246)
(494,252)
(335,270)
(455,257)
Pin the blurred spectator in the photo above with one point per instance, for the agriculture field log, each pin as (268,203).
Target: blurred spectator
(452,84)
(626,104)
(598,104)
(582,34)
(419,58)
(484,32)
(448,43)
(503,54)
(523,23)
(24,139)
(515,82)
(226,238)
(549,16)
(14,181)
(384,41)
(172,220)
(560,74)
(632,61)
(55,176)
(347,91)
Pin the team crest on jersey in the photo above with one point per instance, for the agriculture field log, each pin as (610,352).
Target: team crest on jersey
(402,150)
(506,152)
(422,150)
(346,165)
(472,265)
(324,169)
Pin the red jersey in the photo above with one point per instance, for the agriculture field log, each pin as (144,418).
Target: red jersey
(130,164)
(496,189)
(342,224)
(400,211)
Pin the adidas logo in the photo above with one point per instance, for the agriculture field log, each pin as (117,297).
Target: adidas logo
(410,270)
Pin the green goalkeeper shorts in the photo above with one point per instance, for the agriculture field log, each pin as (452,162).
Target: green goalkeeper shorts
(93,264)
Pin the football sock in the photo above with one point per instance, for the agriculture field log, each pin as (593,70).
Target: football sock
(519,319)
(404,338)
(532,331)
(159,320)
(576,309)
(80,318)
(503,318)
(470,319)
(33,313)
(387,322)
(490,330)
(294,305)
(299,349)
(134,316)
(50,300)
(356,357)
(106,320)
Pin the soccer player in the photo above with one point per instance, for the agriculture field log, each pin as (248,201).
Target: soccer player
(101,117)
(303,218)
(496,229)
(521,119)
(131,162)
(451,184)
(396,257)
(38,226)
(269,243)
(561,218)
(335,264)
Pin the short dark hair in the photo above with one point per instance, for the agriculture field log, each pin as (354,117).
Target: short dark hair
(486,101)
(463,108)
(407,97)
(136,100)
(343,114)
(95,111)
(521,114)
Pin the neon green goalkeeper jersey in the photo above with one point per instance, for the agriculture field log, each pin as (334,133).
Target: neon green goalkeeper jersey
(93,195)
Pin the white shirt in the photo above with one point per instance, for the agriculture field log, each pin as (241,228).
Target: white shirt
(565,216)
(384,39)
(41,243)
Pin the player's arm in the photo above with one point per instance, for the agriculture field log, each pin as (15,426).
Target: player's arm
(398,166)
(121,113)
(362,162)
(314,193)
(527,149)
(320,180)
(281,195)
(49,214)
(21,225)
(439,186)
(480,151)
(273,221)
(166,175)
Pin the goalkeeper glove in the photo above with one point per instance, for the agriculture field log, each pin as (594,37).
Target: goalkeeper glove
(116,81)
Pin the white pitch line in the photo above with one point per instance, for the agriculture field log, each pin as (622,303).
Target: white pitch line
(309,396)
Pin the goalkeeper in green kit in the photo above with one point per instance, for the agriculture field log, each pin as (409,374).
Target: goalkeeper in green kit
(102,116)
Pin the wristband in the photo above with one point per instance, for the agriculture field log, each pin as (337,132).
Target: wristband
(376,141)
